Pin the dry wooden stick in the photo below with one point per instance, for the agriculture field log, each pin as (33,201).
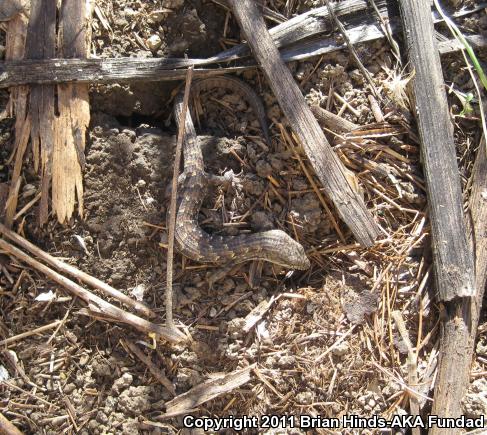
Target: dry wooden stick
(326,164)
(451,253)
(172,207)
(76,273)
(7,428)
(412,366)
(95,303)
(361,66)
(459,328)
(334,122)
(386,28)
(156,372)
(187,402)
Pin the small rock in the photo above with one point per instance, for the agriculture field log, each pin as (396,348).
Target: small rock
(286,361)
(123,382)
(153,42)
(307,211)
(263,168)
(235,327)
(261,221)
(304,398)
(101,417)
(135,400)
(83,360)
(356,76)
(341,349)
(69,388)
(475,401)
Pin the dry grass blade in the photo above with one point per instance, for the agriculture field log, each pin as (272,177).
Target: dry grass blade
(320,196)
(412,366)
(172,213)
(352,49)
(30,333)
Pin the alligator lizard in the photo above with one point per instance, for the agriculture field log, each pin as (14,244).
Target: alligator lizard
(192,241)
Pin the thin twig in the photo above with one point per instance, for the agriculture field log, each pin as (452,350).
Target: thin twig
(386,28)
(30,333)
(352,49)
(76,273)
(156,372)
(412,365)
(7,428)
(95,303)
(172,212)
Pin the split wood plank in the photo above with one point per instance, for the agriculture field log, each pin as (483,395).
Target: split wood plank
(101,70)
(73,115)
(452,256)
(56,126)
(328,167)
(41,44)
(10,8)
(18,107)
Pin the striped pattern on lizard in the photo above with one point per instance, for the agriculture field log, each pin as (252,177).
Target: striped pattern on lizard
(274,246)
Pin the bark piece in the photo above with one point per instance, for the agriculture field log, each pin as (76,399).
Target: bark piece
(74,116)
(189,401)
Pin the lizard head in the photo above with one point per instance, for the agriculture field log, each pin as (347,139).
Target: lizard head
(287,252)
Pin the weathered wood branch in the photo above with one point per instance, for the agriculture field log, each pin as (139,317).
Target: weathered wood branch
(451,253)
(96,71)
(308,24)
(452,256)
(7,428)
(459,328)
(326,164)
(294,41)
(356,15)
